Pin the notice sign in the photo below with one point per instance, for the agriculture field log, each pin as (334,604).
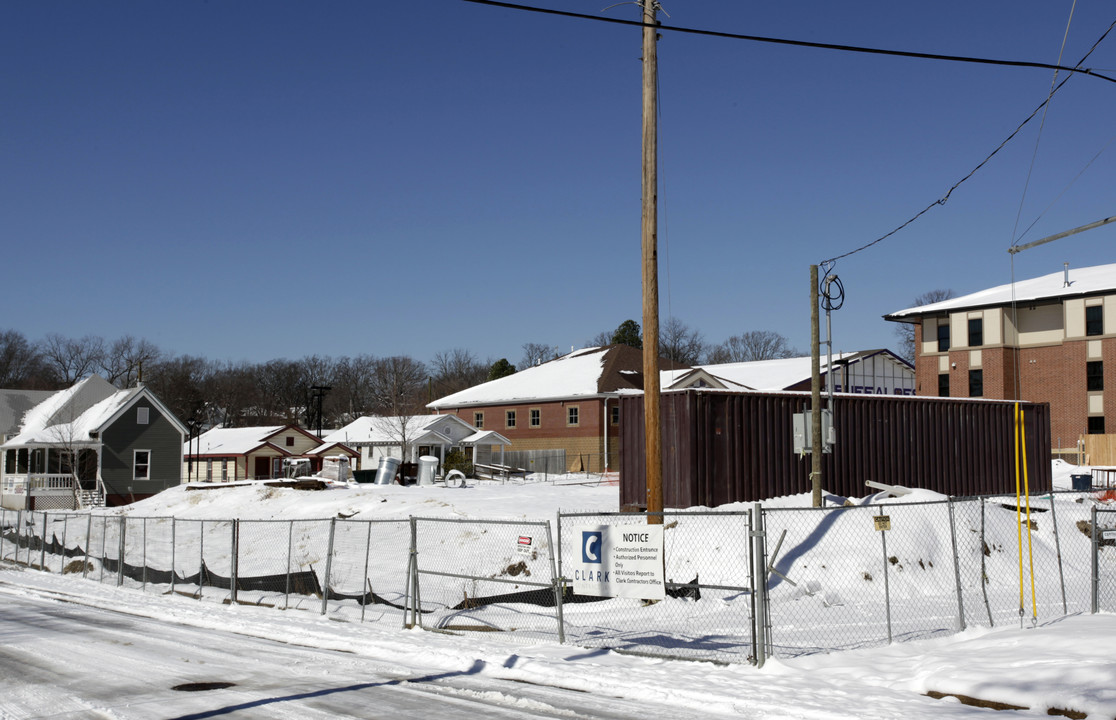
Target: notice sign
(882,522)
(624,561)
(523,546)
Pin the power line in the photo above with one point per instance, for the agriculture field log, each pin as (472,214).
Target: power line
(805,43)
(982,163)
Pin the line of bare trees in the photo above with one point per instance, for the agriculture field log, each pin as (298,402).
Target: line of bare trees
(210,392)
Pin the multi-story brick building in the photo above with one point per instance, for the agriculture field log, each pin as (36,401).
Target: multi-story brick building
(1051,339)
(562,414)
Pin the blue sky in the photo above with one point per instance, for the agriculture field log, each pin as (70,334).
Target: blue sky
(256,180)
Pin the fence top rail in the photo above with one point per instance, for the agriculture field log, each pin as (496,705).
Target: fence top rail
(664,513)
(482,521)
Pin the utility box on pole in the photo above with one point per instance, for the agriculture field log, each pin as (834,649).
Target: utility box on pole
(804,432)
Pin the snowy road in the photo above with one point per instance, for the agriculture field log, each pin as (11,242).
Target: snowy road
(63,660)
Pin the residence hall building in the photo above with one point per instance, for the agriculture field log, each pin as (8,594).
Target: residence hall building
(1051,339)
(560,415)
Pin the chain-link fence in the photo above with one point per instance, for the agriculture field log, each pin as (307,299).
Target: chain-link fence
(708,608)
(740,585)
(1104,559)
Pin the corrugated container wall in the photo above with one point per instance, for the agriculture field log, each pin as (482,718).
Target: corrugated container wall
(723,447)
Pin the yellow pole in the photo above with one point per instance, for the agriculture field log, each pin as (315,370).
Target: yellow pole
(1018,506)
(1027,497)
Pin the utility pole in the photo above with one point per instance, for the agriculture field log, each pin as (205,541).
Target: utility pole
(651,414)
(815,391)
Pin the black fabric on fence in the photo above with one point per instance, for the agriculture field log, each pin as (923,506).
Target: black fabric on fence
(544,597)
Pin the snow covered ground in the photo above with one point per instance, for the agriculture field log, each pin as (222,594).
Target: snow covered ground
(1065,663)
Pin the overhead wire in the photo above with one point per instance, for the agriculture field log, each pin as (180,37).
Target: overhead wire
(805,43)
(982,163)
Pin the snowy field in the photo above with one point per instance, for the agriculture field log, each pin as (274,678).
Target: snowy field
(1060,662)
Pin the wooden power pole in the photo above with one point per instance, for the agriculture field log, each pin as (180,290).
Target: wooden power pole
(652,426)
(815,391)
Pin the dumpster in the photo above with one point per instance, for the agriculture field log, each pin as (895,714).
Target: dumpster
(385,474)
(427,466)
(364,476)
(1082,482)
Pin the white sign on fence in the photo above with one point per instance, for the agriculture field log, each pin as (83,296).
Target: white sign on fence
(620,561)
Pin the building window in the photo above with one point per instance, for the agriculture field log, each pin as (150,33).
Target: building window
(290,441)
(209,471)
(478,420)
(976,332)
(1096,425)
(141,465)
(1094,375)
(143,416)
(1094,320)
(614,415)
(943,385)
(976,383)
(536,418)
(509,419)
(943,335)
(572,416)
(224,470)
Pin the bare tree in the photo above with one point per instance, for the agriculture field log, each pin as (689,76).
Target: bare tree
(229,391)
(21,365)
(906,331)
(750,346)
(179,382)
(456,370)
(397,390)
(72,360)
(537,353)
(124,360)
(680,343)
(352,388)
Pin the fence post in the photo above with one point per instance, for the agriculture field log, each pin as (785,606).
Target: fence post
(174,546)
(233,560)
(290,545)
(367,554)
(42,550)
(143,554)
(88,539)
(887,580)
(412,580)
(559,588)
(104,546)
(329,563)
(956,568)
(123,533)
(984,567)
(759,588)
(65,527)
(1058,552)
(1095,564)
(201,557)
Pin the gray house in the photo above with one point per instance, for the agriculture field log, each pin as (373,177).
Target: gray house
(91,444)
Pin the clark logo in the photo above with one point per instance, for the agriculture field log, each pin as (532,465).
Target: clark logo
(592,546)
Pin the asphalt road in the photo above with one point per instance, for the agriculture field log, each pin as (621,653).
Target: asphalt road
(62,660)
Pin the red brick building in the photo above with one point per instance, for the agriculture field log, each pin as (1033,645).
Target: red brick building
(1050,340)
(564,411)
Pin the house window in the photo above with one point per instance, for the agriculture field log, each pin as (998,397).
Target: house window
(943,385)
(1096,425)
(141,465)
(943,335)
(536,417)
(976,383)
(209,471)
(478,420)
(509,419)
(290,441)
(572,416)
(1094,320)
(224,470)
(143,416)
(976,332)
(614,415)
(1094,375)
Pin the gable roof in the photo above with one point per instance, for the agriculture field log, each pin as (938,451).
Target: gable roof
(231,441)
(591,372)
(384,430)
(76,415)
(769,375)
(1082,281)
(14,404)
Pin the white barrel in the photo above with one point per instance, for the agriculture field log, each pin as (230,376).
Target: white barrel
(427,466)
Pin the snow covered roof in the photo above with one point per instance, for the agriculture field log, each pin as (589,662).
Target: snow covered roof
(486,437)
(590,372)
(231,441)
(73,415)
(1082,281)
(385,430)
(14,405)
(762,375)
